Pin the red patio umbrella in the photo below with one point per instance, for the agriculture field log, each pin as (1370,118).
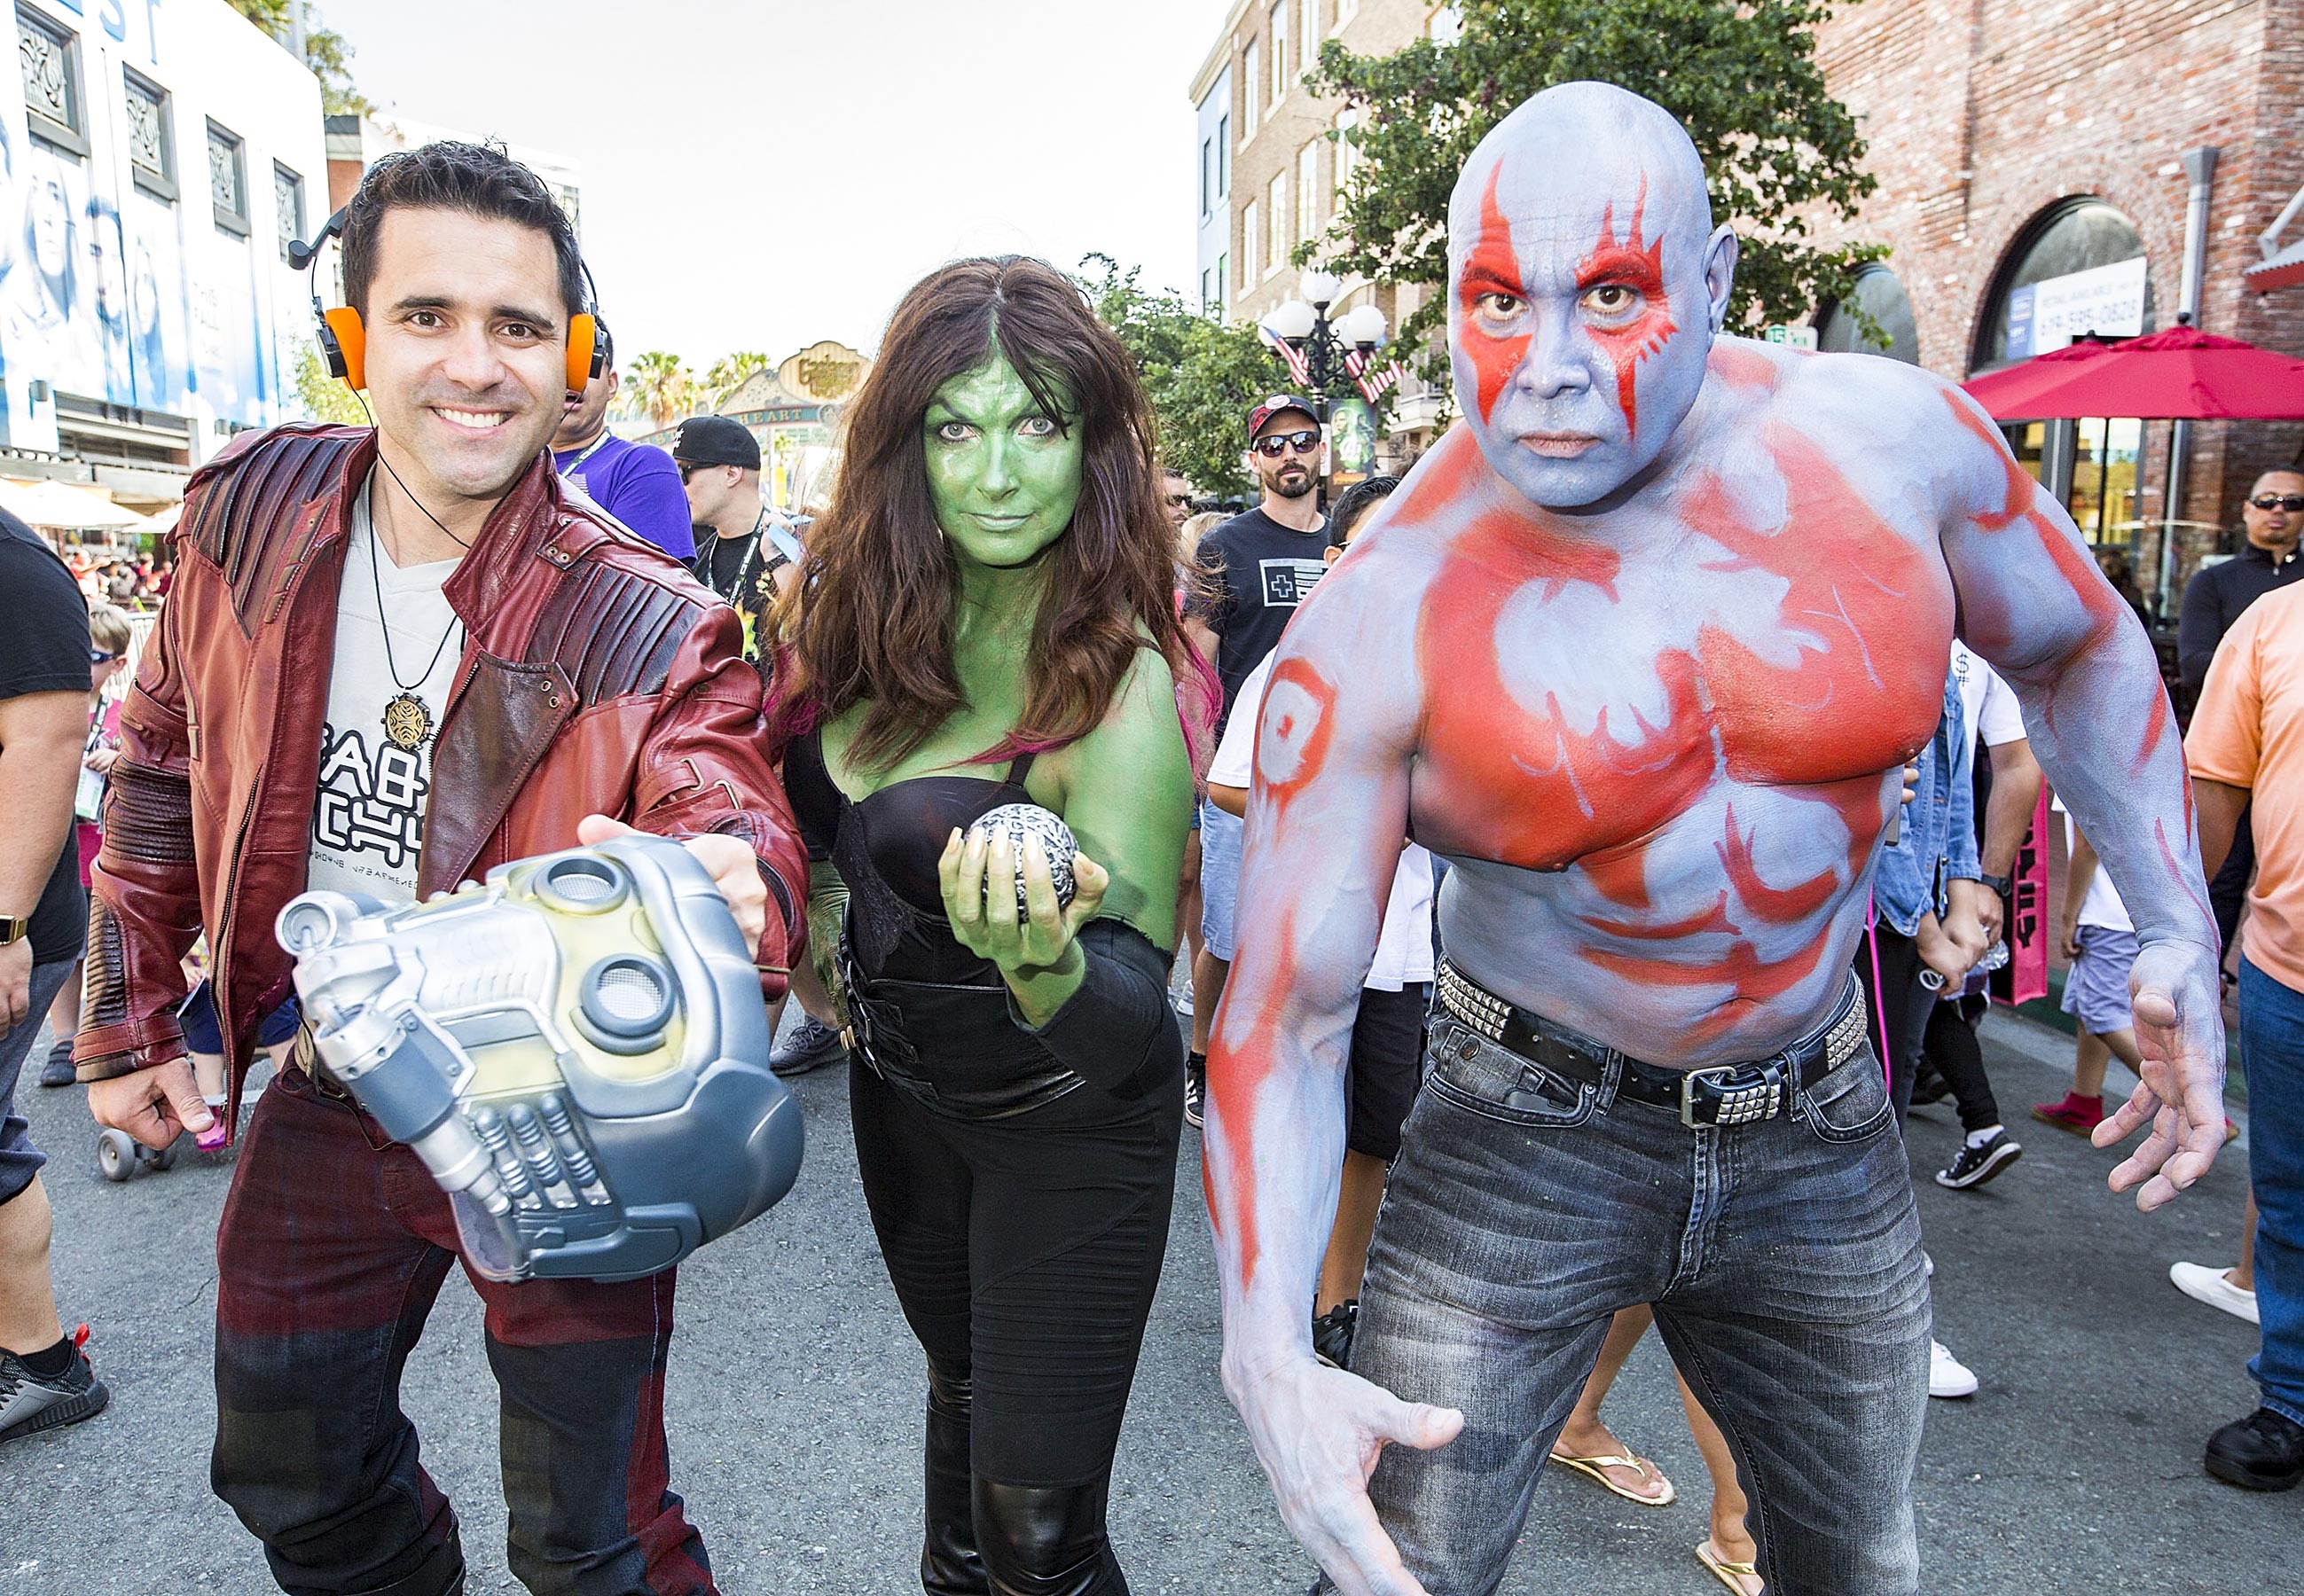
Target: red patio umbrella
(2182,373)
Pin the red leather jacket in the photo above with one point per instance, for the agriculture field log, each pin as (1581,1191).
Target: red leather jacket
(596,678)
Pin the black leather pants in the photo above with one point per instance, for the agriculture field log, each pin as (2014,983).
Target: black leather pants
(986,1539)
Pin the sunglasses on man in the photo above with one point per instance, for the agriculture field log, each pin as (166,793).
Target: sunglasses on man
(2291,503)
(1302,442)
(97,656)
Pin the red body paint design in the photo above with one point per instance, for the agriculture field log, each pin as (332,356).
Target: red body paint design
(1752,980)
(1865,691)
(1741,366)
(1637,264)
(1301,726)
(1784,905)
(1493,267)
(1715,918)
(1235,1075)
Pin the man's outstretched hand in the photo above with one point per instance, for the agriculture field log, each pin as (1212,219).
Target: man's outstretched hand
(2177,1001)
(735,871)
(1318,1431)
(152,1105)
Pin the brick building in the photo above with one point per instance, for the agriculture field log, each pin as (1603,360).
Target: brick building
(2030,153)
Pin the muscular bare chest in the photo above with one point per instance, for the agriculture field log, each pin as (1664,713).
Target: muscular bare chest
(1764,624)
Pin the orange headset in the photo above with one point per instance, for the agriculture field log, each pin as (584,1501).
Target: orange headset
(343,337)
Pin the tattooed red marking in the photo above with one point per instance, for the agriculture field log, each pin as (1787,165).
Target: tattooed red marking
(1636,264)
(1783,905)
(1867,608)
(1493,267)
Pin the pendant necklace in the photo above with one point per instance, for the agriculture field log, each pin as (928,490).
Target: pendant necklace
(407,718)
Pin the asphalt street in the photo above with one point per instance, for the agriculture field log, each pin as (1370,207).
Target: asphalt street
(795,1391)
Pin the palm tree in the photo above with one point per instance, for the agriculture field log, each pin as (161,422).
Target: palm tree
(730,371)
(659,387)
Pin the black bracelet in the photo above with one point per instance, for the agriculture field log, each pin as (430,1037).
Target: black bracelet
(2002,884)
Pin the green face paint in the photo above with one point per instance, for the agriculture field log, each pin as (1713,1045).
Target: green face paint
(1004,475)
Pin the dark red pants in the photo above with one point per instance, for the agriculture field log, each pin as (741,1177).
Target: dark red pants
(330,1256)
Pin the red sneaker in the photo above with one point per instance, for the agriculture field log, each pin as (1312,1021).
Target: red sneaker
(2077,1114)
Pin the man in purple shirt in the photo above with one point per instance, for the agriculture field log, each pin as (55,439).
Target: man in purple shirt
(636,483)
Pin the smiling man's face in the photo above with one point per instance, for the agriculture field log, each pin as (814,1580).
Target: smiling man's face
(1585,283)
(467,340)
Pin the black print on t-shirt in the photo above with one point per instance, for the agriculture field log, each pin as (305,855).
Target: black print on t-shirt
(1288,583)
(370,803)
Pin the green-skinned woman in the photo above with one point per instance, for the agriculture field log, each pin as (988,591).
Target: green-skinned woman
(988,620)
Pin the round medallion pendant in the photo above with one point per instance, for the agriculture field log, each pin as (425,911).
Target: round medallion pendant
(407,722)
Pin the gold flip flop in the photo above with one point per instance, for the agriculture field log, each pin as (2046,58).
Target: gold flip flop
(1595,1467)
(1730,1574)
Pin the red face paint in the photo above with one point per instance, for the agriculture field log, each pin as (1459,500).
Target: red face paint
(1492,268)
(1637,264)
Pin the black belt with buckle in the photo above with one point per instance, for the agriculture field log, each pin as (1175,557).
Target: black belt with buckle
(1721,1095)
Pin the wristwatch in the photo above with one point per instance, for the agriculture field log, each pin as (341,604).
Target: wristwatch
(2002,884)
(15,928)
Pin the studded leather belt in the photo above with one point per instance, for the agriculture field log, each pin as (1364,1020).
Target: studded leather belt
(1720,1095)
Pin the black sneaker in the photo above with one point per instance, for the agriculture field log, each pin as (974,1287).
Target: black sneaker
(2263,1451)
(1331,1333)
(813,1045)
(58,1071)
(1977,1164)
(29,1404)
(1195,1087)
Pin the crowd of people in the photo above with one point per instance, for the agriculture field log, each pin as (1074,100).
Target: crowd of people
(1526,876)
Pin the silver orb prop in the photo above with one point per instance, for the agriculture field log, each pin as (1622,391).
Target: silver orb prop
(1017,822)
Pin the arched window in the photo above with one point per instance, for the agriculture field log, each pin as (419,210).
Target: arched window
(2077,268)
(1880,294)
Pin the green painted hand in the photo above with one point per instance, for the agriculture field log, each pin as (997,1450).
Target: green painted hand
(1037,951)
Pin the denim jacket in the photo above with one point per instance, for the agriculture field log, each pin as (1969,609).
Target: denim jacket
(1937,841)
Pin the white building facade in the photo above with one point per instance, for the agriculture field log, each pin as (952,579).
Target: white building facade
(154,164)
(1212,186)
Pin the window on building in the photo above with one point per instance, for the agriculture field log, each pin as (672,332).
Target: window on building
(1346,10)
(1208,175)
(1279,52)
(1445,26)
(52,99)
(228,179)
(1223,282)
(1879,294)
(1310,34)
(1275,254)
(1208,280)
(151,142)
(1250,233)
(1251,83)
(1308,190)
(288,206)
(1348,153)
(1224,157)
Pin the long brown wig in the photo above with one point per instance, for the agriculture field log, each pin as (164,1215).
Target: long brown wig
(871,619)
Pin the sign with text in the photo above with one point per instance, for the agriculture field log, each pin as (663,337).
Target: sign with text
(2051,313)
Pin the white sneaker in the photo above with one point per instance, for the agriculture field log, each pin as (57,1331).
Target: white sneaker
(2205,1283)
(1947,1375)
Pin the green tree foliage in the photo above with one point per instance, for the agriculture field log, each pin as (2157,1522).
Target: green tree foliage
(658,384)
(327,51)
(731,372)
(1202,376)
(1740,74)
(324,397)
(274,16)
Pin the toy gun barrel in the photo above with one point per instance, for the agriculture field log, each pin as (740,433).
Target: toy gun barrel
(405,1078)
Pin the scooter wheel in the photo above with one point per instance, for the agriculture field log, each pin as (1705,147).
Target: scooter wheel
(115,1154)
(165,1159)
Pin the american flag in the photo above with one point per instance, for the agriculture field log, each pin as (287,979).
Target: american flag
(1290,355)
(1372,380)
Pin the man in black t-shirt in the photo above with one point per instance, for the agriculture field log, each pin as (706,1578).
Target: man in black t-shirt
(45,1380)
(1259,567)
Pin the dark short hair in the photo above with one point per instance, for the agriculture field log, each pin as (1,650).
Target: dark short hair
(481,180)
(1354,503)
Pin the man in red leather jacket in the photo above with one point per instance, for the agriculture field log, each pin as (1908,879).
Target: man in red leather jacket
(389,680)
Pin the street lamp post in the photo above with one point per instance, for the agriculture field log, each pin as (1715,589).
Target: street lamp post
(1303,325)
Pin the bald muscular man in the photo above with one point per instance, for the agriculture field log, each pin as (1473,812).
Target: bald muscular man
(1641,646)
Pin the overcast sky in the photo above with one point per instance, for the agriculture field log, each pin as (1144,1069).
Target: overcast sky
(760,175)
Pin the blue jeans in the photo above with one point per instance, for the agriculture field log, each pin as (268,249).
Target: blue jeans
(2272,1054)
(1783,1259)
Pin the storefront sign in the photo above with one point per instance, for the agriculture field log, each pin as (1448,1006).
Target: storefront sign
(824,372)
(2051,313)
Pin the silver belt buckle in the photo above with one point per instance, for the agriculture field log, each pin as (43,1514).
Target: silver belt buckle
(1734,1106)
